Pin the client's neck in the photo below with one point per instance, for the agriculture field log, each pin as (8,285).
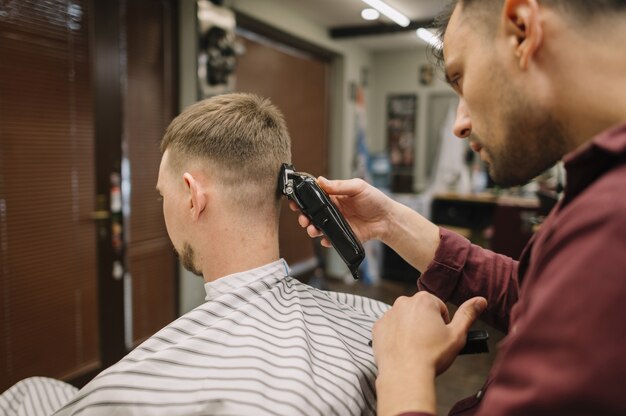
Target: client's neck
(233,248)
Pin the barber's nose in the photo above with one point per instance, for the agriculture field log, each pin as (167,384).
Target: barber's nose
(462,123)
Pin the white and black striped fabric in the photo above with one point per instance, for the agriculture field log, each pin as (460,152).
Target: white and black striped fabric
(35,396)
(263,344)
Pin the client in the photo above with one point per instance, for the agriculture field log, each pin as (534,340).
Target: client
(263,343)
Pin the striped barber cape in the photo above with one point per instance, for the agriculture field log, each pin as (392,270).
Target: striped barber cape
(263,344)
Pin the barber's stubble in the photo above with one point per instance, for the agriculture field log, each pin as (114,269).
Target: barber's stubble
(533,140)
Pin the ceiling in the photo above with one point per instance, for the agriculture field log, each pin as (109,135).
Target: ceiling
(347,13)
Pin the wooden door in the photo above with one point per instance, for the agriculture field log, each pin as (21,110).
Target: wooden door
(149,103)
(296,82)
(85,94)
(135,76)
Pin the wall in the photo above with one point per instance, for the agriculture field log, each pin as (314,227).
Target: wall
(397,72)
(345,69)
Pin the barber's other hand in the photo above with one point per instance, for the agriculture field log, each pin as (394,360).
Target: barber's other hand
(413,342)
(365,208)
(416,334)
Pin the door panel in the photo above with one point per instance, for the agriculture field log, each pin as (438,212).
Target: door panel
(149,109)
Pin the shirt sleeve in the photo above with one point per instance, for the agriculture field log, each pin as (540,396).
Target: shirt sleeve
(461,270)
(565,351)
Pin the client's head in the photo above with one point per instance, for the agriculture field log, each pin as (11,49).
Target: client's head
(219,173)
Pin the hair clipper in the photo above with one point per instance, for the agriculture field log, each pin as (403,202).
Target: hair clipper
(316,205)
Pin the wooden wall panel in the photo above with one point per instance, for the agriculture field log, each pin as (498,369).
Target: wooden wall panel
(297,84)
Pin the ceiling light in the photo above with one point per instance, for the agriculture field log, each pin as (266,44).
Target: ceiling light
(430,38)
(389,11)
(370,14)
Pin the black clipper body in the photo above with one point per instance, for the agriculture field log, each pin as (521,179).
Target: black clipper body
(317,206)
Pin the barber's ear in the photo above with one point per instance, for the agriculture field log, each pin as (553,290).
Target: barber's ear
(523,29)
(197,197)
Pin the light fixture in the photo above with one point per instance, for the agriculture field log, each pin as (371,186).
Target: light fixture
(389,11)
(370,14)
(428,37)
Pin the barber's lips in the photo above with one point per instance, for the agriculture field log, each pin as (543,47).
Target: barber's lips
(476,147)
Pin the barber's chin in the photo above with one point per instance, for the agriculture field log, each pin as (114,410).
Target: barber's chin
(506,180)
(480,150)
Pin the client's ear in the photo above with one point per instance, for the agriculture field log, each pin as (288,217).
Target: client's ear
(197,195)
(522,25)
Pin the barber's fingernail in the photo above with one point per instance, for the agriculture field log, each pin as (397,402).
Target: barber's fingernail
(480,305)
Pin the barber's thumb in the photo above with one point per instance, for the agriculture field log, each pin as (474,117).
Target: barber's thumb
(467,313)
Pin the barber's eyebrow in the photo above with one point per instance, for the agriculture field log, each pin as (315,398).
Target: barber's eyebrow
(446,71)
(449,81)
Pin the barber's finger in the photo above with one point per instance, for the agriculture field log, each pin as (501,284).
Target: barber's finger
(325,242)
(304,221)
(467,313)
(342,187)
(443,310)
(429,300)
(293,206)
(313,232)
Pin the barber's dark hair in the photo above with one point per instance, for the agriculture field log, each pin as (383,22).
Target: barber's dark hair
(440,24)
(583,10)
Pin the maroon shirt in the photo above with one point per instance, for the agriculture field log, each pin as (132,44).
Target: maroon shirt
(563,305)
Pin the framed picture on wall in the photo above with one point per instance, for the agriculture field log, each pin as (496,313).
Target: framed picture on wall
(401,132)
(216,49)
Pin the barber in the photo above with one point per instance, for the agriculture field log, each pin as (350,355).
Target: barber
(539,81)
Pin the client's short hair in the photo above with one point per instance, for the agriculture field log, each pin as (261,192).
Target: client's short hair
(239,139)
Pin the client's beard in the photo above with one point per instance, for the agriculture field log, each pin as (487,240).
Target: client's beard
(187,257)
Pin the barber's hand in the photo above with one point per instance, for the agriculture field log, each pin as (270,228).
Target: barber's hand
(416,334)
(364,207)
(414,342)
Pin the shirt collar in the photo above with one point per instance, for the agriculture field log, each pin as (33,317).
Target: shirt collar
(585,164)
(234,281)
(610,141)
